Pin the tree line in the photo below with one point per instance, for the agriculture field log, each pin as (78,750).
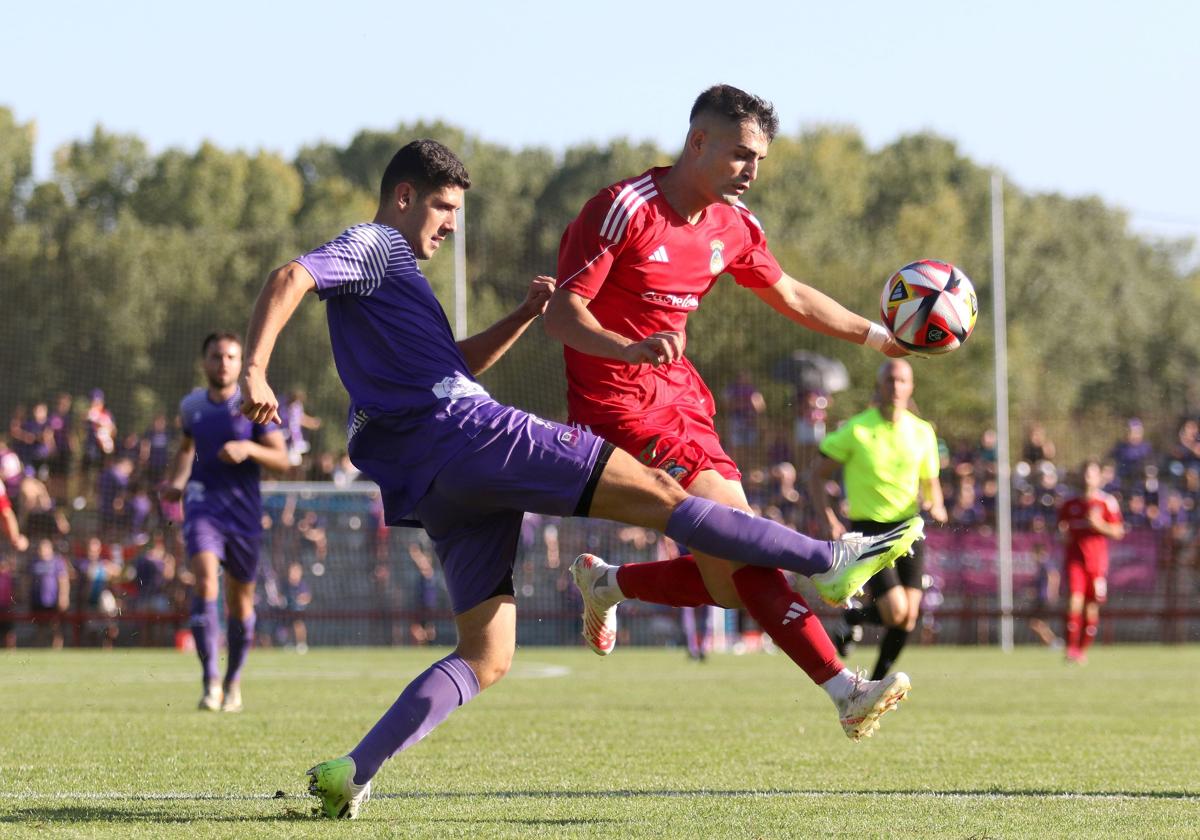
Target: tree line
(115,267)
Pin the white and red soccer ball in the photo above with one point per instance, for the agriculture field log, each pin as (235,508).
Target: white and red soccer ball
(929,307)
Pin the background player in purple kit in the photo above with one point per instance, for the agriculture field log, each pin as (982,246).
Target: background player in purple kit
(216,469)
(467,467)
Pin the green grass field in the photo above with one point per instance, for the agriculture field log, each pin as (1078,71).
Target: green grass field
(643,744)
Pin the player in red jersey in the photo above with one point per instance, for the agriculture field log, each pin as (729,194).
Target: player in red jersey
(638,258)
(1088,522)
(8,522)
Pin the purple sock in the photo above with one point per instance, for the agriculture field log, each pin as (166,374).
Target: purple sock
(204,631)
(713,528)
(239,634)
(427,701)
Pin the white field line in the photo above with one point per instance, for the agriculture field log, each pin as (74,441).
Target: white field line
(965,796)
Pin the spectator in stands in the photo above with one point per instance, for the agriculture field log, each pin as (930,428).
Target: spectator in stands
(809,427)
(40,516)
(1044,596)
(36,430)
(967,510)
(101,439)
(19,438)
(98,572)
(1135,512)
(1132,453)
(49,592)
(423,629)
(1186,449)
(1038,446)
(296,421)
(139,507)
(152,569)
(297,597)
(113,497)
(155,454)
(984,454)
(63,444)
(744,408)
(130,446)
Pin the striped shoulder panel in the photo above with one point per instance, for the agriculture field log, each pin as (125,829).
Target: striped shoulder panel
(363,254)
(745,211)
(627,202)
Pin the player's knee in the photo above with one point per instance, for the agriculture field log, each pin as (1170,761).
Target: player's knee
(491,668)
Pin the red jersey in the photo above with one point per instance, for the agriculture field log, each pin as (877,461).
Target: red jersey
(644,268)
(1086,545)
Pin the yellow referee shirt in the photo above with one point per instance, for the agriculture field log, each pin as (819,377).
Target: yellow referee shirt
(883,463)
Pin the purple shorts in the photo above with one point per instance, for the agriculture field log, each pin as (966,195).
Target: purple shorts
(474,507)
(238,553)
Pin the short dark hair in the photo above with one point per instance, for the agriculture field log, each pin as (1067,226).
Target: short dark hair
(427,165)
(214,337)
(737,106)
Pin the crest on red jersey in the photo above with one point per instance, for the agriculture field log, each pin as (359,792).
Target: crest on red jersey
(716,262)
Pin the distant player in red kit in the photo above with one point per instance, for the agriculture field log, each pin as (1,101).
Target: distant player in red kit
(631,267)
(1088,522)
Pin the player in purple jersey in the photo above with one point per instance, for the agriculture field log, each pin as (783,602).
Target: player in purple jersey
(216,470)
(466,467)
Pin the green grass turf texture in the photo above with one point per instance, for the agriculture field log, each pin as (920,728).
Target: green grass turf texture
(642,744)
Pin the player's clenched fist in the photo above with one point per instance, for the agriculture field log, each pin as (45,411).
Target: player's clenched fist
(538,296)
(259,402)
(661,348)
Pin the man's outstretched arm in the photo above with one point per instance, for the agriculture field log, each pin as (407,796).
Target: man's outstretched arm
(276,303)
(484,349)
(821,313)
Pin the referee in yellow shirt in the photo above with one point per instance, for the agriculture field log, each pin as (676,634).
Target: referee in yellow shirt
(889,462)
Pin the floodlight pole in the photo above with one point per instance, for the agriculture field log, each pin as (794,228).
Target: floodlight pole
(1004,569)
(460,273)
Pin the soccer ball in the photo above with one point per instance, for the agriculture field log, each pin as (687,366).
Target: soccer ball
(929,307)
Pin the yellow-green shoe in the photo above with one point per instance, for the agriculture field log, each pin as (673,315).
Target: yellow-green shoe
(857,558)
(332,783)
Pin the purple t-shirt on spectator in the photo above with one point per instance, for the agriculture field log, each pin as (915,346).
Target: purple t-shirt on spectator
(397,356)
(113,483)
(45,573)
(226,493)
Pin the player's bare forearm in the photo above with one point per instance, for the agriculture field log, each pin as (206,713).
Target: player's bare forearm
(814,310)
(569,321)
(484,349)
(271,453)
(181,466)
(13,531)
(276,303)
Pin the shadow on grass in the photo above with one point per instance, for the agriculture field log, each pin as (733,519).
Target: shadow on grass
(78,814)
(116,808)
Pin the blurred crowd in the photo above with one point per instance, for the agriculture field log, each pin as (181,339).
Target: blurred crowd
(98,545)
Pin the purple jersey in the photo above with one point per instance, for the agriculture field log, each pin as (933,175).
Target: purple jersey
(225,493)
(45,573)
(396,355)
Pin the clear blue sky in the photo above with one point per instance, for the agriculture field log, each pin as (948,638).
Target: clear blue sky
(1076,97)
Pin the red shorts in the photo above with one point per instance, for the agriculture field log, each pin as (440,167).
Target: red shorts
(1089,584)
(679,440)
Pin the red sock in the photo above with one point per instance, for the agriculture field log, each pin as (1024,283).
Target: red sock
(676,583)
(786,618)
(1089,633)
(1074,630)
